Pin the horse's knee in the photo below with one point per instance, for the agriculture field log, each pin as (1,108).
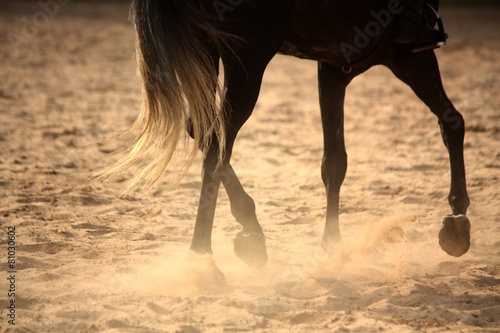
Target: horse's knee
(452,120)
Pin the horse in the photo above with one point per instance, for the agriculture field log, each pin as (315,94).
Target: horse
(179,46)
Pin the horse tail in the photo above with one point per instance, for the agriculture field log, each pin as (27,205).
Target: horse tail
(179,84)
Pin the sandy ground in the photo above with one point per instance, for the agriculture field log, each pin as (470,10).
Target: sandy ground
(89,261)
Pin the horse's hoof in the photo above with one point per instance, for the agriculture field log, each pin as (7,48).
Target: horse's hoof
(251,248)
(330,243)
(454,236)
(330,248)
(203,271)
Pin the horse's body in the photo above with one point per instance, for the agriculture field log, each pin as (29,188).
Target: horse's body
(320,28)
(175,36)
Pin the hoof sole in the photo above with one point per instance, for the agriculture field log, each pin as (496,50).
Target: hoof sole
(454,236)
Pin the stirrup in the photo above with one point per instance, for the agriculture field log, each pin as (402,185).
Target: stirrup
(443,36)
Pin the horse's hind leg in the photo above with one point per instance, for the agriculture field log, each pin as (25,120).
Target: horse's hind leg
(421,73)
(249,244)
(242,82)
(260,27)
(332,86)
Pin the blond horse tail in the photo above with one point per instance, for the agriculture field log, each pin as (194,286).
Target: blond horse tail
(179,82)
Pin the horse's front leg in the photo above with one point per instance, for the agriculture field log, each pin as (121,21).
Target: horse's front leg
(421,73)
(332,86)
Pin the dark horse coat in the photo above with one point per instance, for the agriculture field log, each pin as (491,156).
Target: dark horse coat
(180,44)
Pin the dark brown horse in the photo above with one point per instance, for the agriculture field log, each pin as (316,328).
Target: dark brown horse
(180,44)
